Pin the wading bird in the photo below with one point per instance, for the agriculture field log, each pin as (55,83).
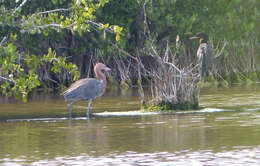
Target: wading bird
(204,54)
(87,88)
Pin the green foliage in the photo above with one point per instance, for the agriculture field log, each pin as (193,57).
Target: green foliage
(78,30)
(224,83)
(60,63)
(20,71)
(18,81)
(252,76)
(27,25)
(168,107)
(76,18)
(229,20)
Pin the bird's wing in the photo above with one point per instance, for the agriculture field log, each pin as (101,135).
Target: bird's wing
(75,85)
(92,89)
(209,54)
(83,89)
(205,57)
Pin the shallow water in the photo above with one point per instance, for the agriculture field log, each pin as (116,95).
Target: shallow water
(226,132)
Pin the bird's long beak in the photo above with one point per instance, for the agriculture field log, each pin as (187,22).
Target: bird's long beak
(107,69)
(194,37)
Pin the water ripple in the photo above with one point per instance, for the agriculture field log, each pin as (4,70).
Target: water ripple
(240,156)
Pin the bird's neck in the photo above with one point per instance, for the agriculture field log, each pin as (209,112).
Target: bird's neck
(102,78)
(203,41)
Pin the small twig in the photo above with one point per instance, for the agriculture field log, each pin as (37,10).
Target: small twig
(193,68)
(3,40)
(222,49)
(89,65)
(99,26)
(123,51)
(44,59)
(52,80)
(155,52)
(173,66)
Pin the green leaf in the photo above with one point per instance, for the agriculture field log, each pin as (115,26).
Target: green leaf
(117,37)
(84,2)
(54,2)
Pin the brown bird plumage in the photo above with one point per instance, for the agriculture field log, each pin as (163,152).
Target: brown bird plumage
(87,88)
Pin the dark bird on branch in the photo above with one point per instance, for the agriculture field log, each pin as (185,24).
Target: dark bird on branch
(87,88)
(204,54)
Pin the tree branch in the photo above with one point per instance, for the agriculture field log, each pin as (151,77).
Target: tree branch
(21,5)
(54,25)
(55,10)
(7,79)
(173,66)
(99,26)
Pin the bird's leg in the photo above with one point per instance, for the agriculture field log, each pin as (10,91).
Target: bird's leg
(89,103)
(69,105)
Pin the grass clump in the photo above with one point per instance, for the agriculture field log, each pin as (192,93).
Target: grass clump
(164,106)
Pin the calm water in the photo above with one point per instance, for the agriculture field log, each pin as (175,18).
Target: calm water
(227,132)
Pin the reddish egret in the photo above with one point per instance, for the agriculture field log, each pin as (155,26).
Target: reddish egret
(87,88)
(204,53)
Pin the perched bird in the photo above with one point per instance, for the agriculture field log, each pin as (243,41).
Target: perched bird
(87,88)
(204,54)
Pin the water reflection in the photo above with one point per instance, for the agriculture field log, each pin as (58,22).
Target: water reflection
(152,139)
(239,98)
(211,137)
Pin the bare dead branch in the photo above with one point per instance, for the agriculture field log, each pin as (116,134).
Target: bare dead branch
(221,50)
